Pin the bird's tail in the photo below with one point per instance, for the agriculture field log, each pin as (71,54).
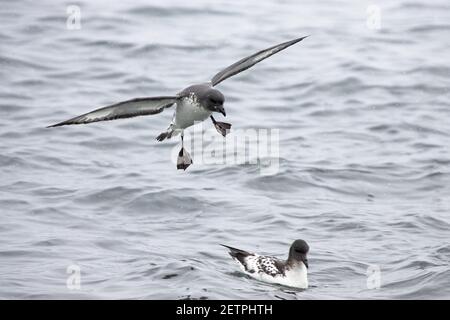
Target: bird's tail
(236,253)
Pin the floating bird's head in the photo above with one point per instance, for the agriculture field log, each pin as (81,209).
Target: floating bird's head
(298,252)
(213,101)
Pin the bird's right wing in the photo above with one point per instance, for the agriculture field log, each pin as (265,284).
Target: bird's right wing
(125,109)
(250,61)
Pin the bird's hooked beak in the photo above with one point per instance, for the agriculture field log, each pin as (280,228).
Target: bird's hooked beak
(221,109)
(305,261)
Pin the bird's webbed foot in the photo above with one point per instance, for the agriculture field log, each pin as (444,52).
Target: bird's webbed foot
(222,127)
(184,159)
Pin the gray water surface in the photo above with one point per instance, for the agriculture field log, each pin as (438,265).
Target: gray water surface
(364,140)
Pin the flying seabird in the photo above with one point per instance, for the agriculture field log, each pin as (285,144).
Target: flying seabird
(193,104)
(292,272)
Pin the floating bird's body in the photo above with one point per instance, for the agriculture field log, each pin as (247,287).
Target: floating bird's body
(292,272)
(194,104)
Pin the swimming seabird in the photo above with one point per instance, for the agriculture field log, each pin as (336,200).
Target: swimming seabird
(292,272)
(193,104)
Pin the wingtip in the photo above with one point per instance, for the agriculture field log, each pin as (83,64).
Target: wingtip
(229,248)
(297,40)
(304,37)
(64,123)
(233,250)
(55,125)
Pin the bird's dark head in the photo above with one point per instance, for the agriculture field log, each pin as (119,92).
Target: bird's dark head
(298,252)
(213,100)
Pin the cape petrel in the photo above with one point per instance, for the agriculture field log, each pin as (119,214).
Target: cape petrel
(292,272)
(193,104)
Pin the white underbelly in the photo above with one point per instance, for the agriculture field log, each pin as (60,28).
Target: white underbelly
(297,278)
(189,113)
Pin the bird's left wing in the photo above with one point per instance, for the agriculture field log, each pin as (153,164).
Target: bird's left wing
(125,109)
(270,266)
(250,61)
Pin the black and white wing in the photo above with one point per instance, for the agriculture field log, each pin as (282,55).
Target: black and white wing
(254,264)
(125,109)
(270,266)
(250,61)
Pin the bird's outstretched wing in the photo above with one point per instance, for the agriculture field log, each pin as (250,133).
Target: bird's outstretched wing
(125,109)
(250,61)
